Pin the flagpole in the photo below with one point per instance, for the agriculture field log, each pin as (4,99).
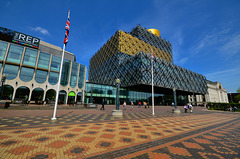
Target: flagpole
(152,87)
(59,79)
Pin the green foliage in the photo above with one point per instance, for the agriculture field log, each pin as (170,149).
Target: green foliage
(222,106)
(237,98)
(238,90)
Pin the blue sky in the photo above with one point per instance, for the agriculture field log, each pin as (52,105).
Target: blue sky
(205,34)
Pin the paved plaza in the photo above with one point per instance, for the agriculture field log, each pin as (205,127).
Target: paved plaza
(94,133)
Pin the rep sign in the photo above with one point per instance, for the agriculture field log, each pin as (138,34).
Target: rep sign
(24,39)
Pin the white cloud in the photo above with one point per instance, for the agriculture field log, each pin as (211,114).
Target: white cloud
(211,39)
(182,61)
(222,72)
(41,30)
(232,46)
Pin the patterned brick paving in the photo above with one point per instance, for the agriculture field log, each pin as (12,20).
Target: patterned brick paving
(202,134)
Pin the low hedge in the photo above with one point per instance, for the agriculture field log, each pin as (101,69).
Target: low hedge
(223,106)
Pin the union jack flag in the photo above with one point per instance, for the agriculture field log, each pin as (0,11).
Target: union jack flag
(67,27)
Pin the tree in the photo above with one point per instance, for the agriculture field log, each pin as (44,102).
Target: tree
(238,90)
(237,98)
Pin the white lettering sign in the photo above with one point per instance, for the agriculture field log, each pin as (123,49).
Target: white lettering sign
(26,39)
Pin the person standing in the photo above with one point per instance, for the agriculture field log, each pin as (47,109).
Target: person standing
(235,108)
(190,108)
(102,108)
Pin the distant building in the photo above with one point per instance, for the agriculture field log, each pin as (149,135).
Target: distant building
(32,68)
(215,93)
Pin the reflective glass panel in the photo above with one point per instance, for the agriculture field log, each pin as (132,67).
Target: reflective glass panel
(0,66)
(11,71)
(3,48)
(26,74)
(65,72)
(30,57)
(53,78)
(43,61)
(74,72)
(41,76)
(81,76)
(55,63)
(15,54)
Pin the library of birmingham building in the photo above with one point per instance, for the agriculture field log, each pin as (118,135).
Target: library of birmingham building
(127,56)
(32,69)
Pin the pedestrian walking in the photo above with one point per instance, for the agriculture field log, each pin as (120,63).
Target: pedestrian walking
(102,108)
(139,104)
(132,104)
(185,108)
(145,104)
(124,105)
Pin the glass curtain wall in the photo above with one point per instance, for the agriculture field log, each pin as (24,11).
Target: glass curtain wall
(15,54)
(81,77)
(43,61)
(73,81)
(108,93)
(26,74)
(3,48)
(41,76)
(65,72)
(11,71)
(55,66)
(30,57)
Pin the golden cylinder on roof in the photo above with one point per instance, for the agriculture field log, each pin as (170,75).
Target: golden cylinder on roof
(154,31)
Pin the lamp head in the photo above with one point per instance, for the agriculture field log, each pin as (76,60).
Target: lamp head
(118,80)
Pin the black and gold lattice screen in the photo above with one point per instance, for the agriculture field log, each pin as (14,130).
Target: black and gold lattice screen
(127,57)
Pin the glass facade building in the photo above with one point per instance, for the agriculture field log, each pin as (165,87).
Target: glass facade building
(128,57)
(33,73)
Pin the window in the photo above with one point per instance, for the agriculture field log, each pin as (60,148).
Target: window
(30,57)
(53,78)
(65,72)
(26,74)
(41,76)
(73,81)
(81,76)
(55,63)
(43,61)
(11,71)
(15,54)
(3,48)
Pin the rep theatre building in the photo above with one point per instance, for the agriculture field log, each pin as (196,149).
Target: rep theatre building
(31,68)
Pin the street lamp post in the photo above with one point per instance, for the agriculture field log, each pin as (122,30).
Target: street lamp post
(176,110)
(91,100)
(2,84)
(117,94)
